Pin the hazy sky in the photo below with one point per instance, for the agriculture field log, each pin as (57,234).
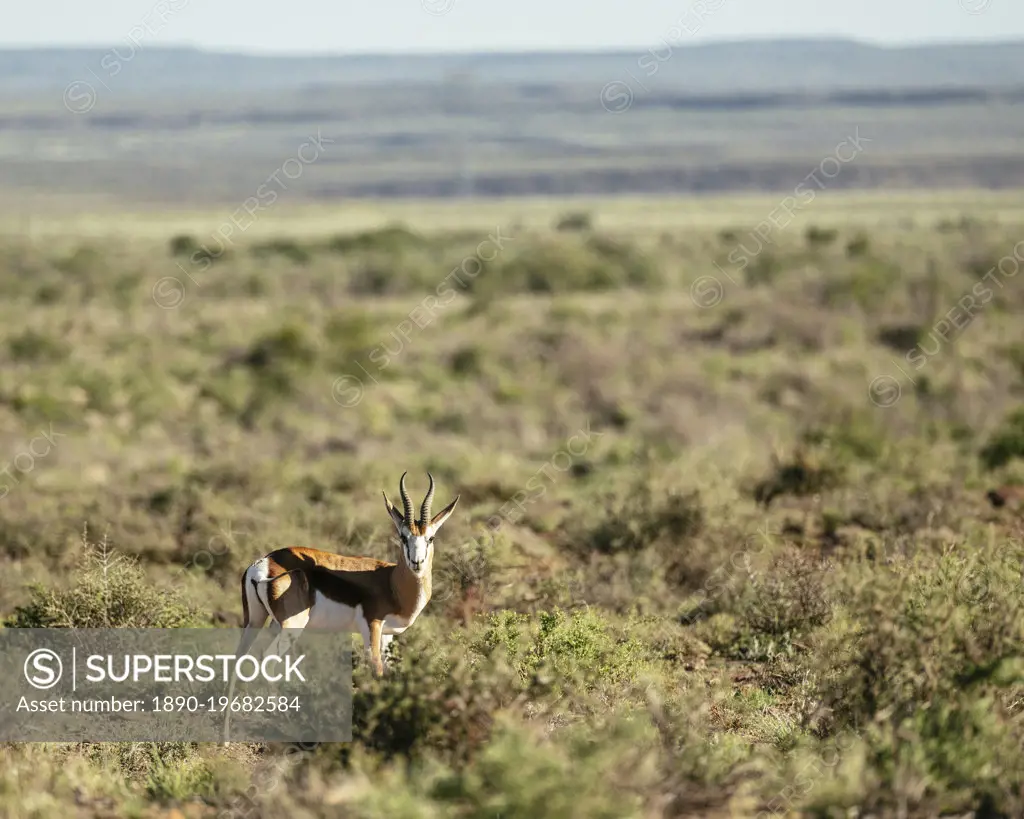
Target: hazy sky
(348,26)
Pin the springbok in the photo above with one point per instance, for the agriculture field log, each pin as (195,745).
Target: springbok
(298,587)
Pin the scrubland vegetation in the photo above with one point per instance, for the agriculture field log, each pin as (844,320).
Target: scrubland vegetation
(723,549)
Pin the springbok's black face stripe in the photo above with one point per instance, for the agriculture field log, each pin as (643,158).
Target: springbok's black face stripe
(407,543)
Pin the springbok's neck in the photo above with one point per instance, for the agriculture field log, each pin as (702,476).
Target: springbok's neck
(411,592)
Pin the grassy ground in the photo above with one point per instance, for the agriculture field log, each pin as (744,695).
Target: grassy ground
(723,548)
(46,218)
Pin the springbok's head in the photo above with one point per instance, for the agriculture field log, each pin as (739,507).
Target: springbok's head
(417,536)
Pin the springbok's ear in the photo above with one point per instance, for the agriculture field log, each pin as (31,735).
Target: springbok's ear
(394,514)
(438,520)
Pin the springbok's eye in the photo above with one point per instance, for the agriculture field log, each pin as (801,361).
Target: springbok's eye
(430,539)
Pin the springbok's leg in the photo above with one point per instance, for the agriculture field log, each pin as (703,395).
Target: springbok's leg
(290,603)
(288,597)
(291,630)
(376,633)
(385,649)
(254,617)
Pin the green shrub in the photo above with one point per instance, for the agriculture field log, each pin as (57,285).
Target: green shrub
(541,268)
(821,237)
(1006,443)
(849,435)
(925,657)
(288,248)
(636,268)
(868,285)
(373,278)
(858,246)
(48,293)
(517,777)
(807,473)
(763,270)
(641,519)
(764,612)
(925,630)
(980,264)
(350,333)
(1015,354)
(783,604)
(205,254)
(517,774)
(466,361)
(110,591)
(30,345)
(268,372)
(947,758)
(558,653)
(462,569)
(901,337)
(179,780)
(182,245)
(575,222)
(566,265)
(390,239)
(288,345)
(85,261)
(436,699)
(580,648)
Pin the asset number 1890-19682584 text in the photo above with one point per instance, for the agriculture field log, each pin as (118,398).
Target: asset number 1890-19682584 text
(236,704)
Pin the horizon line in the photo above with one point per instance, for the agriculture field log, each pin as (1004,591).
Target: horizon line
(529,51)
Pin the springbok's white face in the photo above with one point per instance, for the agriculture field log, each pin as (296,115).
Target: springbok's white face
(416,551)
(417,536)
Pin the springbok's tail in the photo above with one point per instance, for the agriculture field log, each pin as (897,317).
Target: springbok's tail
(252,622)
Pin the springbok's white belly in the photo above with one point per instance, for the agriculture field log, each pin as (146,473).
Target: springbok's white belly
(327,614)
(393,624)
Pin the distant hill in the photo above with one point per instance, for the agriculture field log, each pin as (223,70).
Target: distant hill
(189,126)
(768,65)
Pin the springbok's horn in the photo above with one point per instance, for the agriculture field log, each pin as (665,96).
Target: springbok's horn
(425,508)
(406,500)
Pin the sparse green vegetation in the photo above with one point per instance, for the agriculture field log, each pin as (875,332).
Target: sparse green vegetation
(1006,443)
(821,237)
(182,245)
(110,591)
(698,569)
(575,222)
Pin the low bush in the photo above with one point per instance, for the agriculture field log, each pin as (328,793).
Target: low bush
(821,237)
(643,517)
(110,591)
(1006,443)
